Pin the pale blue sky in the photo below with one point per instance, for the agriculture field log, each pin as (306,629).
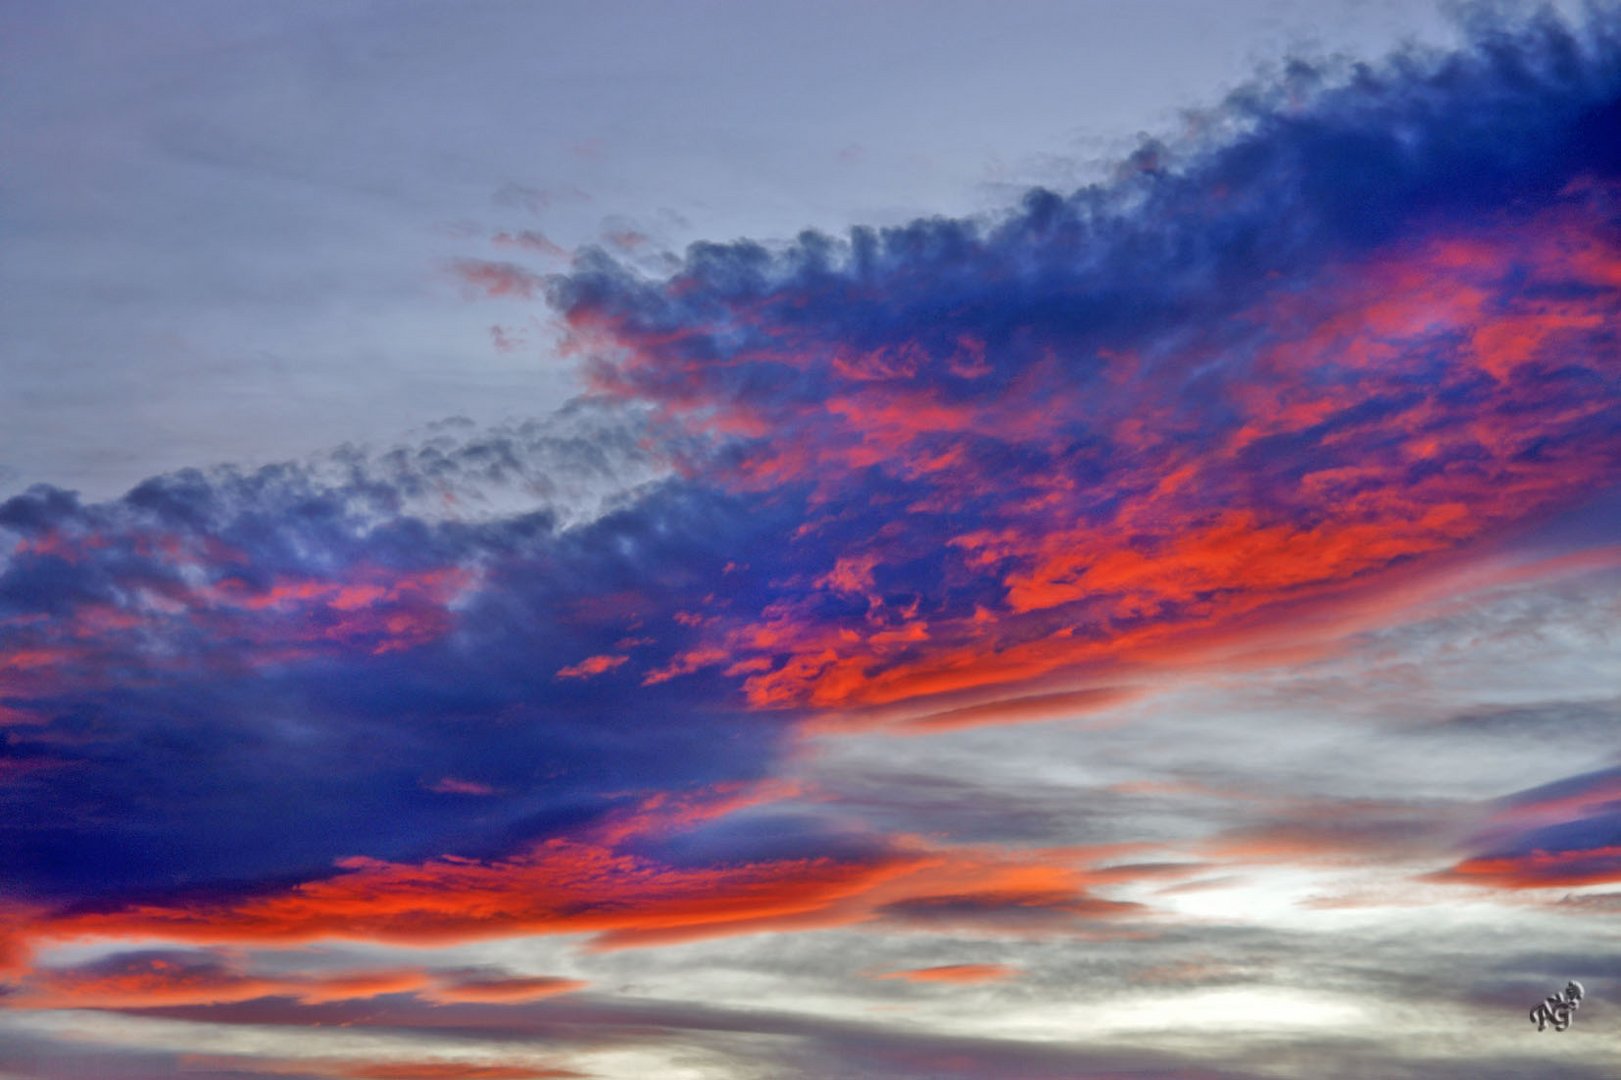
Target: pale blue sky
(226,227)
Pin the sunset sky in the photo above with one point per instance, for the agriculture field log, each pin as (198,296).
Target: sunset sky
(921,541)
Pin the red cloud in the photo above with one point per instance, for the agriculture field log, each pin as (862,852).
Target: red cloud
(450,1071)
(590,666)
(504,990)
(955,973)
(359,984)
(148,984)
(1538,869)
(172,978)
(587,884)
(1555,835)
(1014,710)
(14,949)
(559,886)
(143,980)
(665,812)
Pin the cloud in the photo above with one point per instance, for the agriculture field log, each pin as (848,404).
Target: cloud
(452,785)
(274,669)
(152,978)
(1067,997)
(503,989)
(1008,909)
(536,200)
(498,279)
(1367,331)
(1033,707)
(360,1069)
(954,973)
(788,1045)
(1348,831)
(530,240)
(599,882)
(1565,835)
(14,948)
(175,977)
(1564,800)
(447,1070)
(591,665)
(50,1059)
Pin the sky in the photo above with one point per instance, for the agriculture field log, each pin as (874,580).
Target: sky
(922,541)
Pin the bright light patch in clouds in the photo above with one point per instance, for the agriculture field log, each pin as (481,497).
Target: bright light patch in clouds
(599,542)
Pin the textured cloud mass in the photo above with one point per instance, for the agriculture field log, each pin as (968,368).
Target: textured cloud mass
(1352,340)
(1368,331)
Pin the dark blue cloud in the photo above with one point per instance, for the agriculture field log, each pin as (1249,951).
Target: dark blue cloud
(1327,162)
(1262,366)
(208,743)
